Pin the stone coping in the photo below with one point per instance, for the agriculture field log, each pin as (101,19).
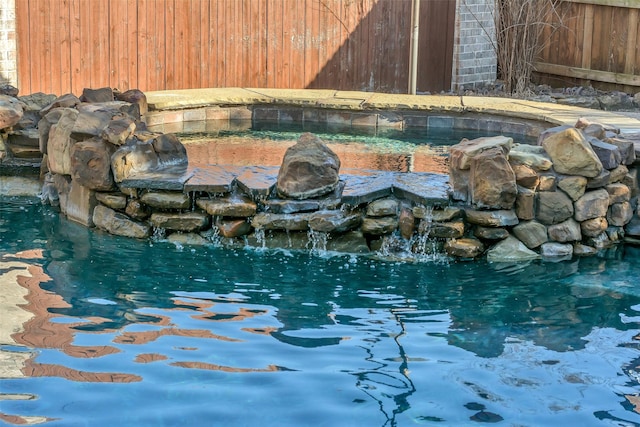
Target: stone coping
(190,105)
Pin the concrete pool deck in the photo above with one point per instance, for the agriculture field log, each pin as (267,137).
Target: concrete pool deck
(353,101)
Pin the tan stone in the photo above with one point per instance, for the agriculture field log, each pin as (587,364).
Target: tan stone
(292,222)
(553,207)
(118,131)
(490,233)
(233,227)
(380,225)
(166,200)
(573,186)
(185,221)
(617,174)
(571,154)
(187,239)
(497,218)
(460,155)
(309,169)
(593,227)
(137,210)
(547,183)
(112,200)
(334,221)
(566,231)
(531,233)
(236,206)
(80,203)
(592,204)
(492,181)
(59,143)
(406,223)
(526,177)
(525,204)
(10,111)
(119,224)
(510,250)
(464,248)
(620,214)
(91,164)
(618,193)
(538,162)
(382,207)
(454,229)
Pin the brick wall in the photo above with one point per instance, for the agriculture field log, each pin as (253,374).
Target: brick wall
(8,50)
(474,56)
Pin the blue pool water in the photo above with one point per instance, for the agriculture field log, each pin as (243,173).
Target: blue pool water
(115,331)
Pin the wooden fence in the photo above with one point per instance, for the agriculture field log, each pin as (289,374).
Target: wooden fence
(593,42)
(67,45)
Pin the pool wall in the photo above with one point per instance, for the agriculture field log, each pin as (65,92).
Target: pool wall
(106,171)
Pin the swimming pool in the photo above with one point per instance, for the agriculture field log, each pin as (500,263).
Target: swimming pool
(129,332)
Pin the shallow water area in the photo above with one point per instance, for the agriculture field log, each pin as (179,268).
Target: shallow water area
(99,330)
(423,150)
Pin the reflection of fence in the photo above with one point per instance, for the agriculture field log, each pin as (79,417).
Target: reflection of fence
(66,45)
(597,43)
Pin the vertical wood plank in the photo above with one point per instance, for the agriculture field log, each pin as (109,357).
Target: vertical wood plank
(212,54)
(23,13)
(587,37)
(172,60)
(75,51)
(39,25)
(204,43)
(636,51)
(272,43)
(631,42)
(195,45)
(56,39)
(222,42)
(244,44)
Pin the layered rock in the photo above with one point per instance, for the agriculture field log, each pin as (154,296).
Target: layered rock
(309,169)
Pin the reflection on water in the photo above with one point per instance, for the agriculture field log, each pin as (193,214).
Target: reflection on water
(425,154)
(100,330)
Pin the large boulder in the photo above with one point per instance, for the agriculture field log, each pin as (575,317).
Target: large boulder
(10,111)
(460,156)
(119,224)
(91,164)
(134,96)
(571,154)
(161,154)
(492,180)
(309,169)
(133,158)
(60,142)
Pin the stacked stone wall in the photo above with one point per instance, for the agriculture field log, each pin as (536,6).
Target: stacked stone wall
(575,193)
